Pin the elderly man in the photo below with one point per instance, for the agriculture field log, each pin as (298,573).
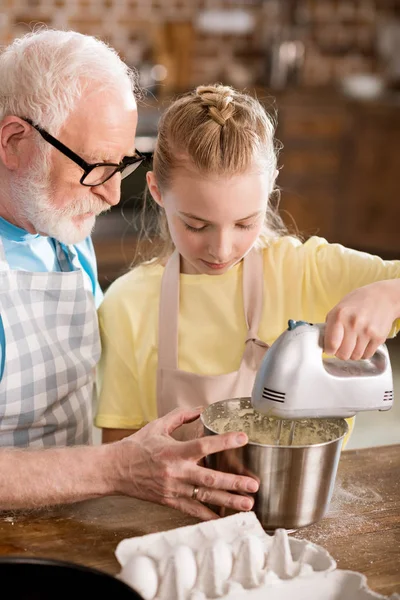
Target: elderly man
(67,126)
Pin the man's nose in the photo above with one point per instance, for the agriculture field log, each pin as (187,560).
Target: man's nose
(110,191)
(221,246)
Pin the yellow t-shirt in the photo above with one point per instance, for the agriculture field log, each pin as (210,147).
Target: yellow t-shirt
(302,281)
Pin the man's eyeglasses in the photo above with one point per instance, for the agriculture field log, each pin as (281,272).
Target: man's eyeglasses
(97,173)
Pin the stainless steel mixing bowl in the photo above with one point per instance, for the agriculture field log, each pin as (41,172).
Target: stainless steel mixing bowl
(296,482)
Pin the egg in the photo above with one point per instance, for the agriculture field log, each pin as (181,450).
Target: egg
(215,566)
(223,554)
(178,571)
(186,560)
(140,573)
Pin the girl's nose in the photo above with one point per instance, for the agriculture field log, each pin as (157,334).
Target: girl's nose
(221,246)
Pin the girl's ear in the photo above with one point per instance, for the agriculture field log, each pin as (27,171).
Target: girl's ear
(153,187)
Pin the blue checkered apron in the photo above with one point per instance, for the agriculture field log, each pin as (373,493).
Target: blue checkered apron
(52,347)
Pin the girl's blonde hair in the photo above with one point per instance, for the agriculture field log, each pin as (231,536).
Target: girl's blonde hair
(218,131)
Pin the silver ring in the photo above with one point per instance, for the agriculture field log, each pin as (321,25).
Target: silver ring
(195,492)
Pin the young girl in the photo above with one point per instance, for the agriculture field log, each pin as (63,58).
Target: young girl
(190,327)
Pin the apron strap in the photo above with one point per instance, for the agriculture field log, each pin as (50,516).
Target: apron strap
(253,284)
(253,291)
(168,314)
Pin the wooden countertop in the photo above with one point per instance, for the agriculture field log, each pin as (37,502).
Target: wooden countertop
(361,529)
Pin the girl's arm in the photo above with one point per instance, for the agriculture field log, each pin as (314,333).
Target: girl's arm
(113,435)
(357,294)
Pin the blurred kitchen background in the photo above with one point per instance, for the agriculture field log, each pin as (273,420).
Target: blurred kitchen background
(329,68)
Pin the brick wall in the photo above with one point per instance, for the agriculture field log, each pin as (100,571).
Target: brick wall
(339,36)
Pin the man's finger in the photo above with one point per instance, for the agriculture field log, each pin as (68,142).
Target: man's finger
(178,417)
(234,464)
(221,498)
(210,444)
(209,478)
(193,508)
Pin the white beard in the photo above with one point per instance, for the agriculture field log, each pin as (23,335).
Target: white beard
(31,197)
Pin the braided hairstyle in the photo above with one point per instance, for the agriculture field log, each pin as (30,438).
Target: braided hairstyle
(218,131)
(218,100)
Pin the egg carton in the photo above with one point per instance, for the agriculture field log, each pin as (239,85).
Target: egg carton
(233,558)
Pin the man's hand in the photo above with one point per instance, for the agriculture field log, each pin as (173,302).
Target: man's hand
(151,465)
(362,320)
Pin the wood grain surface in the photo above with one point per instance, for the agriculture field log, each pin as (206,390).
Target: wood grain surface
(361,529)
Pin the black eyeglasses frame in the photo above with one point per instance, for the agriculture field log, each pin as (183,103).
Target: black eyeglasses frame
(85,166)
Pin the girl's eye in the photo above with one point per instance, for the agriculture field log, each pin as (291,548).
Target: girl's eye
(249,226)
(198,229)
(194,229)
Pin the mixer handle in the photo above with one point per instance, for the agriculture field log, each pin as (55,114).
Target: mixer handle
(381,351)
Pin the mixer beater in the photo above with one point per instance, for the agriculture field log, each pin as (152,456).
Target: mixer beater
(279,433)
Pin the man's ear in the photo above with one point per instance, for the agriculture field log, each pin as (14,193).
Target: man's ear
(153,187)
(14,133)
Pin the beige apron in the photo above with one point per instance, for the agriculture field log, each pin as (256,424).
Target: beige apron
(176,388)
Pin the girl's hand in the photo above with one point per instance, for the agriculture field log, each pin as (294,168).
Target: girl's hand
(362,320)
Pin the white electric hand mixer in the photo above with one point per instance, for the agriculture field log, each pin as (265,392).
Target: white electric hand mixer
(295,381)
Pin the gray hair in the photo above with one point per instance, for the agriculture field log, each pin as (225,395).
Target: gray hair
(44,73)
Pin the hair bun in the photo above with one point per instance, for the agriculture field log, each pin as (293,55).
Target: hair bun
(219,101)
